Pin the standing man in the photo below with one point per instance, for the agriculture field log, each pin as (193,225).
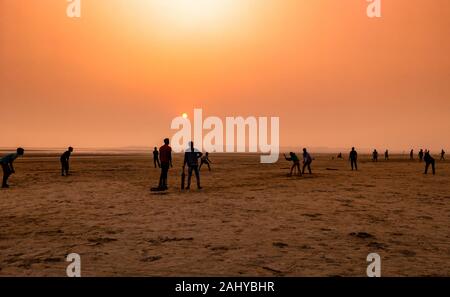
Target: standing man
(429,160)
(386,155)
(354,159)
(191,157)
(156,157)
(442,155)
(420,155)
(65,161)
(411,155)
(7,165)
(165,156)
(375,156)
(307,160)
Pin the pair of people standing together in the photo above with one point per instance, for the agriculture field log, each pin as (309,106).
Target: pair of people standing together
(191,157)
(307,160)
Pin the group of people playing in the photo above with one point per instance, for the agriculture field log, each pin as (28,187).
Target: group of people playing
(8,167)
(162,158)
(353,158)
(307,160)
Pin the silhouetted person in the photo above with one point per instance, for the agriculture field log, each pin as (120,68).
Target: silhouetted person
(353,159)
(7,165)
(339,156)
(421,155)
(375,156)
(442,155)
(411,155)
(205,160)
(386,155)
(65,161)
(165,156)
(191,157)
(307,160)
(429,160)
(296,163)
(156,158)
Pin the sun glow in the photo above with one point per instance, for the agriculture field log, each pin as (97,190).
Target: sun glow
(193,16)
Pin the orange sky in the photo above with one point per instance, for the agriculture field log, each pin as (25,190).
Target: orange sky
(117,76)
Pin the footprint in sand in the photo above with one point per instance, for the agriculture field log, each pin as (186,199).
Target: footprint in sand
(362,235)
(280,245)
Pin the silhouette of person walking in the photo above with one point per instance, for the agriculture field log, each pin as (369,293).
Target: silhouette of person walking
(421,155)
(442,155)
(205,160)
(296,163)
(165,156)
(307,160)
(7,165)
(375,156)
(65,161)
(429,160)
(386,155)
(191,157)
(354,159)
(411,155)
(156,157)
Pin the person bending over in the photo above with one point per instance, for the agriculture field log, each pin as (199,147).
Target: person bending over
(7,165)
(65,161)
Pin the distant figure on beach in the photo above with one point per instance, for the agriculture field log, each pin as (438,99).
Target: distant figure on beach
(191,157)
(296,163)
(205,160)
(386,155)
(442,155)
(429,160)
(411,155)
(7,165)
(375,156)
(421,155)
(65,161)
(354,159)
(156,158)
(339,156)
(165,156)
(307,160)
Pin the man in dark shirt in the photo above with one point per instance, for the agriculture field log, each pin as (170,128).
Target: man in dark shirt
(7,165)
(442,155)
(165,156)
(191,157)
(307,160)
(156,157)
(354,159)
(375,156)
(429,160)
(420,155)
(65,161)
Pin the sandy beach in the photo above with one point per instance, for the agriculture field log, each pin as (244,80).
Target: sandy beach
(250,219)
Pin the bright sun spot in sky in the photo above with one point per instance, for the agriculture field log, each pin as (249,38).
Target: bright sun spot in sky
(184,115)
(189,15)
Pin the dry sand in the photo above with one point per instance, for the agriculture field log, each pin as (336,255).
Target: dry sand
(250,219)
